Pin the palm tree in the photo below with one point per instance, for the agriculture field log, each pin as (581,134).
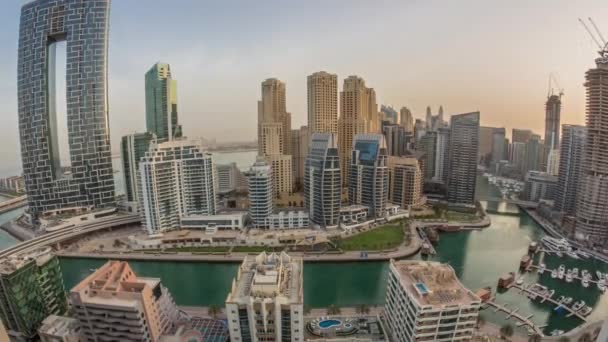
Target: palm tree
(506,330)
(535,338)
(214,310)
(333,310)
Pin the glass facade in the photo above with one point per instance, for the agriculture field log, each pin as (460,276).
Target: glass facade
(83,25)
(161,103)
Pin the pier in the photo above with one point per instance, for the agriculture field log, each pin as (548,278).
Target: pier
(523,321)
(578,277)
(13,203)
(547,298)
(426,240)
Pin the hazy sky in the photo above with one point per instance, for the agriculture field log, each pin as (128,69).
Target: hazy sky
(492,56)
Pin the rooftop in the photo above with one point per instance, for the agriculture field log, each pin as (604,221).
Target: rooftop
(268,276)
(14,262)
(432,283)
(59,326)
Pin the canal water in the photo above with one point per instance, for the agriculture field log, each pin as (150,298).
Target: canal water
(479,258)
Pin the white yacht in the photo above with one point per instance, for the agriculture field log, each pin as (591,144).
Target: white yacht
(568,300)
(585,282)
(561,271)
(556,244)
(601,285)
(520,281)
(554,274)
(599,275)
(585,311)
(573,255)
(569,276)
(542,268)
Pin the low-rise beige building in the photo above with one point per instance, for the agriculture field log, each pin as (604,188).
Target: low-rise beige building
(113,304)
(405,182)
(266,302)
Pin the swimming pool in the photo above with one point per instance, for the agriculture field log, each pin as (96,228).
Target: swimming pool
(328,323)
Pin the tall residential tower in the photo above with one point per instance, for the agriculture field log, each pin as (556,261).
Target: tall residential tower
(570,161)
(161,103)
(464,144)
(368,185)
(322,103)
(86,177)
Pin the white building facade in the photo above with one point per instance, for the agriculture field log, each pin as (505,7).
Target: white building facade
(176,179)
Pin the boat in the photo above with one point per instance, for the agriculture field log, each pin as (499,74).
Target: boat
(601,286)
(599,275)
(578,305)
(573,255)
(556,244)
(585,282)
(550,294)
(569,276)
(554,274)
(542,268)
(559,254)
(561,299)
(556,332)
(575,272)
(520,281)
(585,311)
(568,300)
(583,254)
(561,271)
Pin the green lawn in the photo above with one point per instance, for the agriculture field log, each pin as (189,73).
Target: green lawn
(198,249)
(255,249)
(385,237)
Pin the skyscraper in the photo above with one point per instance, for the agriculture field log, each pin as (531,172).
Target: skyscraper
(592,208)
(406,120)
(553,108)
(428,145)
(521,135)
(429,118)
(533,160)
(322,103)
(266,301)
(396,139)
(368,185)
(499,146)
(464,144)
(132,148)
(486,137)
(31,288)
(114,304)
(389,113)
(177,178)
(261,193)
(299,149)
(570,162)
(87,179)
(274,134)
(442,145)
(358,114)
(322,184)
(405,182)
(161,103)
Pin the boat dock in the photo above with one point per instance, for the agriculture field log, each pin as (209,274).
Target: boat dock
(547,298)
(578,277)
(523,321)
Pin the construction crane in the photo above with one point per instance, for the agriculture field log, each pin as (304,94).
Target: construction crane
(597,37)
(553,80)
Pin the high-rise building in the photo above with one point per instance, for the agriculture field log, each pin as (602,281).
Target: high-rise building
(570,162)
(261,193)
(521,135)
(553,108)
(464,144)
(114,304)
(322,103)
(405,182)
(499,145)
(429,118)
(31,288)
(299,149)
(592,208)
(428,145)
(161,103)
(486,138)
(539,186)
(368,185)
(266,302)
(389,114)
(442,144)
(84,176)
(534,155)
(274,134)
(229,178)
(396,139)
(132,148)
(322,183)
(518,156)
(425,301)
(177,178)
(358,115)
(406,120)
(553,162)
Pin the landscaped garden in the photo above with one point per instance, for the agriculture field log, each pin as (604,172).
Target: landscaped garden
(385,237)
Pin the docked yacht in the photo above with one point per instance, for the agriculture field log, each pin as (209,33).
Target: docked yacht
(578,305)
(561,299)
(554,274)
(556,244)
(542,268)
(572,255)
(585,282)
(568,300)
(561,271)
(601,285)
(556,332)
(569,276)
(599,275)
(586,310)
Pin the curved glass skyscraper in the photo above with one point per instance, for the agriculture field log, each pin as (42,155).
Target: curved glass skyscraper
(88,180)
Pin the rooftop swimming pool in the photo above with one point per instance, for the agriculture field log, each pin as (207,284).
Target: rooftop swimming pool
(421,288)
(328,323)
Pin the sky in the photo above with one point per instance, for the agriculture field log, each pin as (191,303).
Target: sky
(467,55)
